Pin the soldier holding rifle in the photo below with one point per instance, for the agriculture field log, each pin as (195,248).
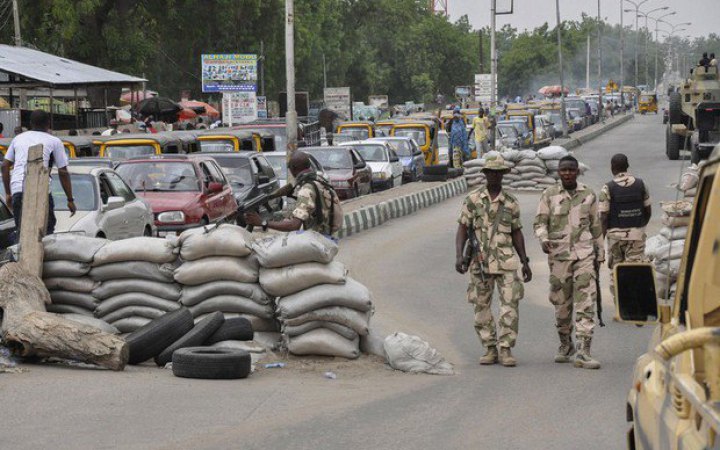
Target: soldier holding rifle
(488,231)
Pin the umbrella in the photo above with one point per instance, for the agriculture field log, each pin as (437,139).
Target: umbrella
(159,107)
(137,96)
(201,108)
(187,114)
(550,91)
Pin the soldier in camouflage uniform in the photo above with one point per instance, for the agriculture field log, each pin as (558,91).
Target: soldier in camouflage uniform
(625,209)
(494,217)
(308,215)
(569,230)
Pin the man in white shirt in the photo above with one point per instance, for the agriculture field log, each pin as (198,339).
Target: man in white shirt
(113,130)
(53,156)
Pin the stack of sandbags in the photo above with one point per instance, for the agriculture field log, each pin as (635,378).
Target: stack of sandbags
(68,258)
(322,311)
(136,281)
(219,274)
(473,172)
(689,181)
(667,248)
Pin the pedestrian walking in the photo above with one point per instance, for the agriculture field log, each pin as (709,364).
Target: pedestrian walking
(490,222)
(625,209)
(570,232)
(458,139)
(480,126)
(16,160)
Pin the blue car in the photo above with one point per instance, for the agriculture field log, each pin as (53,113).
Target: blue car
(410,155)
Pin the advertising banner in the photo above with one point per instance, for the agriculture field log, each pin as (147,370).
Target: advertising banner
(483,87)
(338,99)
(229,73)
(239,107)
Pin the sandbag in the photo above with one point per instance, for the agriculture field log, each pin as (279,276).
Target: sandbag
(206,270)
(92,321)
(412,354)
(299,277)
(674,221)
(530,176)
(523,184)
(476,182)
(130,324)
(133,299)
(68,309)
(225,240)
(511,155)
(86,301)
(674,234)
(350,295)
(526,163)
(258,323)
(351,318)
(535,170)
(81,284)
(65,268)
(511,177)
(689,179)
(294,248)
(526,154)
(324,342)
(653,244)
(342,330)
(671,250)
(248,346)
(474,163)
(71,247)
(149,249)
(670,268)
(233,304)
(552,165)
(690,193)
(546,180)
(168,291)
(269,339)
(192,295)
(677,208)
(473,171)
(552,152)
(134,270)
(133,311)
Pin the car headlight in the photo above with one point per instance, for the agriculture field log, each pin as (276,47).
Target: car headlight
(171,217)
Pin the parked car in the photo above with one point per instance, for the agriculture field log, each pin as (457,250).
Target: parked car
(106,206)
(507,135)
(575,102)
(410,155)
(93,162)
(443,148)
(574,119)
(250,175)
(525,136)
(278,160)
(545,125)
(184,191)
(7,225)
(387,170)
(125,146)
(348,172)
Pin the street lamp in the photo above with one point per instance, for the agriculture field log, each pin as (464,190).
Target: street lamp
(637,5)
(674,29)
(647,40)
(563,119)
(657,44)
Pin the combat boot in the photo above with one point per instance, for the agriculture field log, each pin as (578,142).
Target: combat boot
(506,357)
(491,357)
(583,359)
(566,349)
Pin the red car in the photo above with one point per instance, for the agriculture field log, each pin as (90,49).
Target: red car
(348,172)
(184,191)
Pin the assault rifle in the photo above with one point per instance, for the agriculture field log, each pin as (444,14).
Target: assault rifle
(470,251)
(262,200)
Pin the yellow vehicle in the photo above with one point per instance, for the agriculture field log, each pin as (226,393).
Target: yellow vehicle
(356,131)
(447,115)
(230,140)
(425,133)
(124,146)
(674,401)
(539,139)
(648,103)
(81,146)
(382,128)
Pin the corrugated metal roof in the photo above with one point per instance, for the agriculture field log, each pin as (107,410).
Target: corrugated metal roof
(56,71)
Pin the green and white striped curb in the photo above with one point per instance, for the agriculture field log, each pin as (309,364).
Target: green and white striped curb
(574,142)
(374,215)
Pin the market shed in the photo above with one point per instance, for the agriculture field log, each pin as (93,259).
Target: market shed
(24,70)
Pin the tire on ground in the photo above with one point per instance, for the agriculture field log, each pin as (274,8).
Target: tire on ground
(675,109)
(196,336)
(672,144)
(151,339)
(428,178)
(233,329)
(212,363)
(436,170)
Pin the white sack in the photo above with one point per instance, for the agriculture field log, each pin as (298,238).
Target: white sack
(133,311)
(192,295)
(130,324)
(347,333)
(294,248)
(653,244)
(71,247)
(552,152)
(350,295)
(133,299)
(258,323)
(80,284)
(206,270)
(351,318)
(526,154)
(324,342)
(248,346)
(674,221)
(674,234)
(474,163)
(412,354)
(225,240)
(86,301)
(168,291)
(232,304)
(133,270)
(149,249)
(292,279)
(64,268)
(669,251)
(677,208)
(552,165)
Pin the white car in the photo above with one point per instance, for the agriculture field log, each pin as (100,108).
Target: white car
(387,169)
(106,206)
(444,148)
(278,160)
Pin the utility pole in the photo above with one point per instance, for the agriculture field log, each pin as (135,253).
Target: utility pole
(599,49)
(262,68)
(324,72)
(16,19)
(291,115)
(482,56)
(622,53)
(562,72)
(493,55)
(587,64)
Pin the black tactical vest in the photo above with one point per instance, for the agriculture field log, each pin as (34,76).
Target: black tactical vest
(626,205)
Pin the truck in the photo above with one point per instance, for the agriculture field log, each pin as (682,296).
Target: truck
(694,115)
(674,400)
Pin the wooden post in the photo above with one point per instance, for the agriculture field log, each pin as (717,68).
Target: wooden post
(34,212)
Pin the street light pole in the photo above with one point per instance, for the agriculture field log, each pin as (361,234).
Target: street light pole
(637,37)
(291,115)
(562,73)
(657,44)
(599,50)
(493,55)
(647,39)
(16,19)
(622,53)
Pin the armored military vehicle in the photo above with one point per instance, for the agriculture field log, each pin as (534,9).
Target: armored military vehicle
(694,115)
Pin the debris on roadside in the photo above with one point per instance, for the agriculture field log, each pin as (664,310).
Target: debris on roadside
(412,354)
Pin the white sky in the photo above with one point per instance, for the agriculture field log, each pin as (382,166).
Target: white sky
(704,14)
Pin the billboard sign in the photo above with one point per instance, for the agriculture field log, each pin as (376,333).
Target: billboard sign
(483,86)
(262,111)
(229,73)
(239,107)
(338,99)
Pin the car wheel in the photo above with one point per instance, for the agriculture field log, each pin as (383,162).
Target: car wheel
(672,146)
(147,232)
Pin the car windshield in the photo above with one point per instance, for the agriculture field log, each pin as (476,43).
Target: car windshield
(416,133)
(279,164)
(645,98)
(333,159)
(402,148)
(555,117)
(382,130)
(83,190)
(573,113)
(520,126)
(217,146)
(91,162)
(443,140)
(507,130)
(579,104)
(356,132)
(128,151)
(237,170)
(160,176)
(372,152)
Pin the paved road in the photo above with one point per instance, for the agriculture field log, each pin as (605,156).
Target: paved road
(408,264)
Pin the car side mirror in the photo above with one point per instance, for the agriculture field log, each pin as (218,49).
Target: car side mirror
(215,187)
(394,159)
(360,165)
(263,179)
(635,293)
(114,203)
(417,152)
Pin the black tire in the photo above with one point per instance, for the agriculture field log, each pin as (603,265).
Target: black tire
(211,363)
(429,178)
(454,173)
(151,339)
(436,170)
(694,155)
(233,329)
(672,145)
(147,232)
(199,334)
(675,109)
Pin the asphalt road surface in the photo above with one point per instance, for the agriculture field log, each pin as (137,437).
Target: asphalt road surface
(408,264)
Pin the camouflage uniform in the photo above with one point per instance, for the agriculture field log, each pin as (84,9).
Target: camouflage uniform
(624,244)
(569,223)
(305,207)
(478,214)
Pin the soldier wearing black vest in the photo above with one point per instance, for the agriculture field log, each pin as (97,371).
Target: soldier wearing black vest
(625,210)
